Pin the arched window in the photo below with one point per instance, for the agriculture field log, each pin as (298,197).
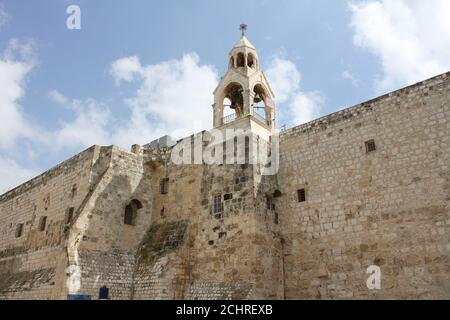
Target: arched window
(250,60)
(259,103)
(231,65)
(260,94)
(227,107)
(240,60)
(131,211)
(233,102)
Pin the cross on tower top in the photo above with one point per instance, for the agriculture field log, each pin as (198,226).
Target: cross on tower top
(243,28)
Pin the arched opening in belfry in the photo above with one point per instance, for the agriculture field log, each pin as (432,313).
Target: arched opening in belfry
(231,63)
(233,102)
(240,61)
(227,109)
(259,103)
(251,61)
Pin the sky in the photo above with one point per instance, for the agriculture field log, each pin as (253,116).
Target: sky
(137,70)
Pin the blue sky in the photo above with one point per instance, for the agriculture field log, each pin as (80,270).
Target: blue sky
(140,69)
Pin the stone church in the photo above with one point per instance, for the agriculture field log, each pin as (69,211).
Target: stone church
(365,186)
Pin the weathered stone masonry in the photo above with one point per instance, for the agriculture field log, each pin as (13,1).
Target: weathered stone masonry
(388,208)
(32,266)
(368,185)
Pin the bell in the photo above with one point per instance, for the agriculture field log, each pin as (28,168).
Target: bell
(257,98)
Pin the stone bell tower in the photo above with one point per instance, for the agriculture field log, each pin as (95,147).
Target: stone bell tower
(244,105)
(244,91)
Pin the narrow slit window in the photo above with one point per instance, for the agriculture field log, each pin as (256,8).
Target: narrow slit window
(301,195)
(19,230)
(42,223)
(164,186)
(128,219)
(69,215)
(270,205)
(73,192)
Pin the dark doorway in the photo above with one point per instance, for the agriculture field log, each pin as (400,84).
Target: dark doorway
(104,293)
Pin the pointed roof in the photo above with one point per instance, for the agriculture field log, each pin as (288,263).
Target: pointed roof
(244,42)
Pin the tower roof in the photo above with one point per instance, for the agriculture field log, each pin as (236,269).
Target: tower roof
(244,42)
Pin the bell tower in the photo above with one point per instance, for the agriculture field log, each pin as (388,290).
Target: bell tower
(243,93)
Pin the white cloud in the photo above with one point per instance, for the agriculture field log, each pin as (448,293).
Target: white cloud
(4,16)
(16,63)
(301,106)
(12,174)
(174,97)
(125,69)
(347,75)
(284,78)
(410,37)
(306,106)
(58,97)
(88,127)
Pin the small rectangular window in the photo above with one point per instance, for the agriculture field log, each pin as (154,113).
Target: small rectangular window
(42,223)
(217,204)
(301,195)
(69,215)
(19,229)
(73,191)
(228,196)
(370,146)
(164,186)
(270,205)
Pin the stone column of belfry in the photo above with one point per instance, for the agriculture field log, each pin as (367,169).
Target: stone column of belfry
(248,101)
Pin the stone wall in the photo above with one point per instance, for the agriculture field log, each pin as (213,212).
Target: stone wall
(390,207)
(32,265)
(175,249)
(160,265)
(101,247)
(207,255)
